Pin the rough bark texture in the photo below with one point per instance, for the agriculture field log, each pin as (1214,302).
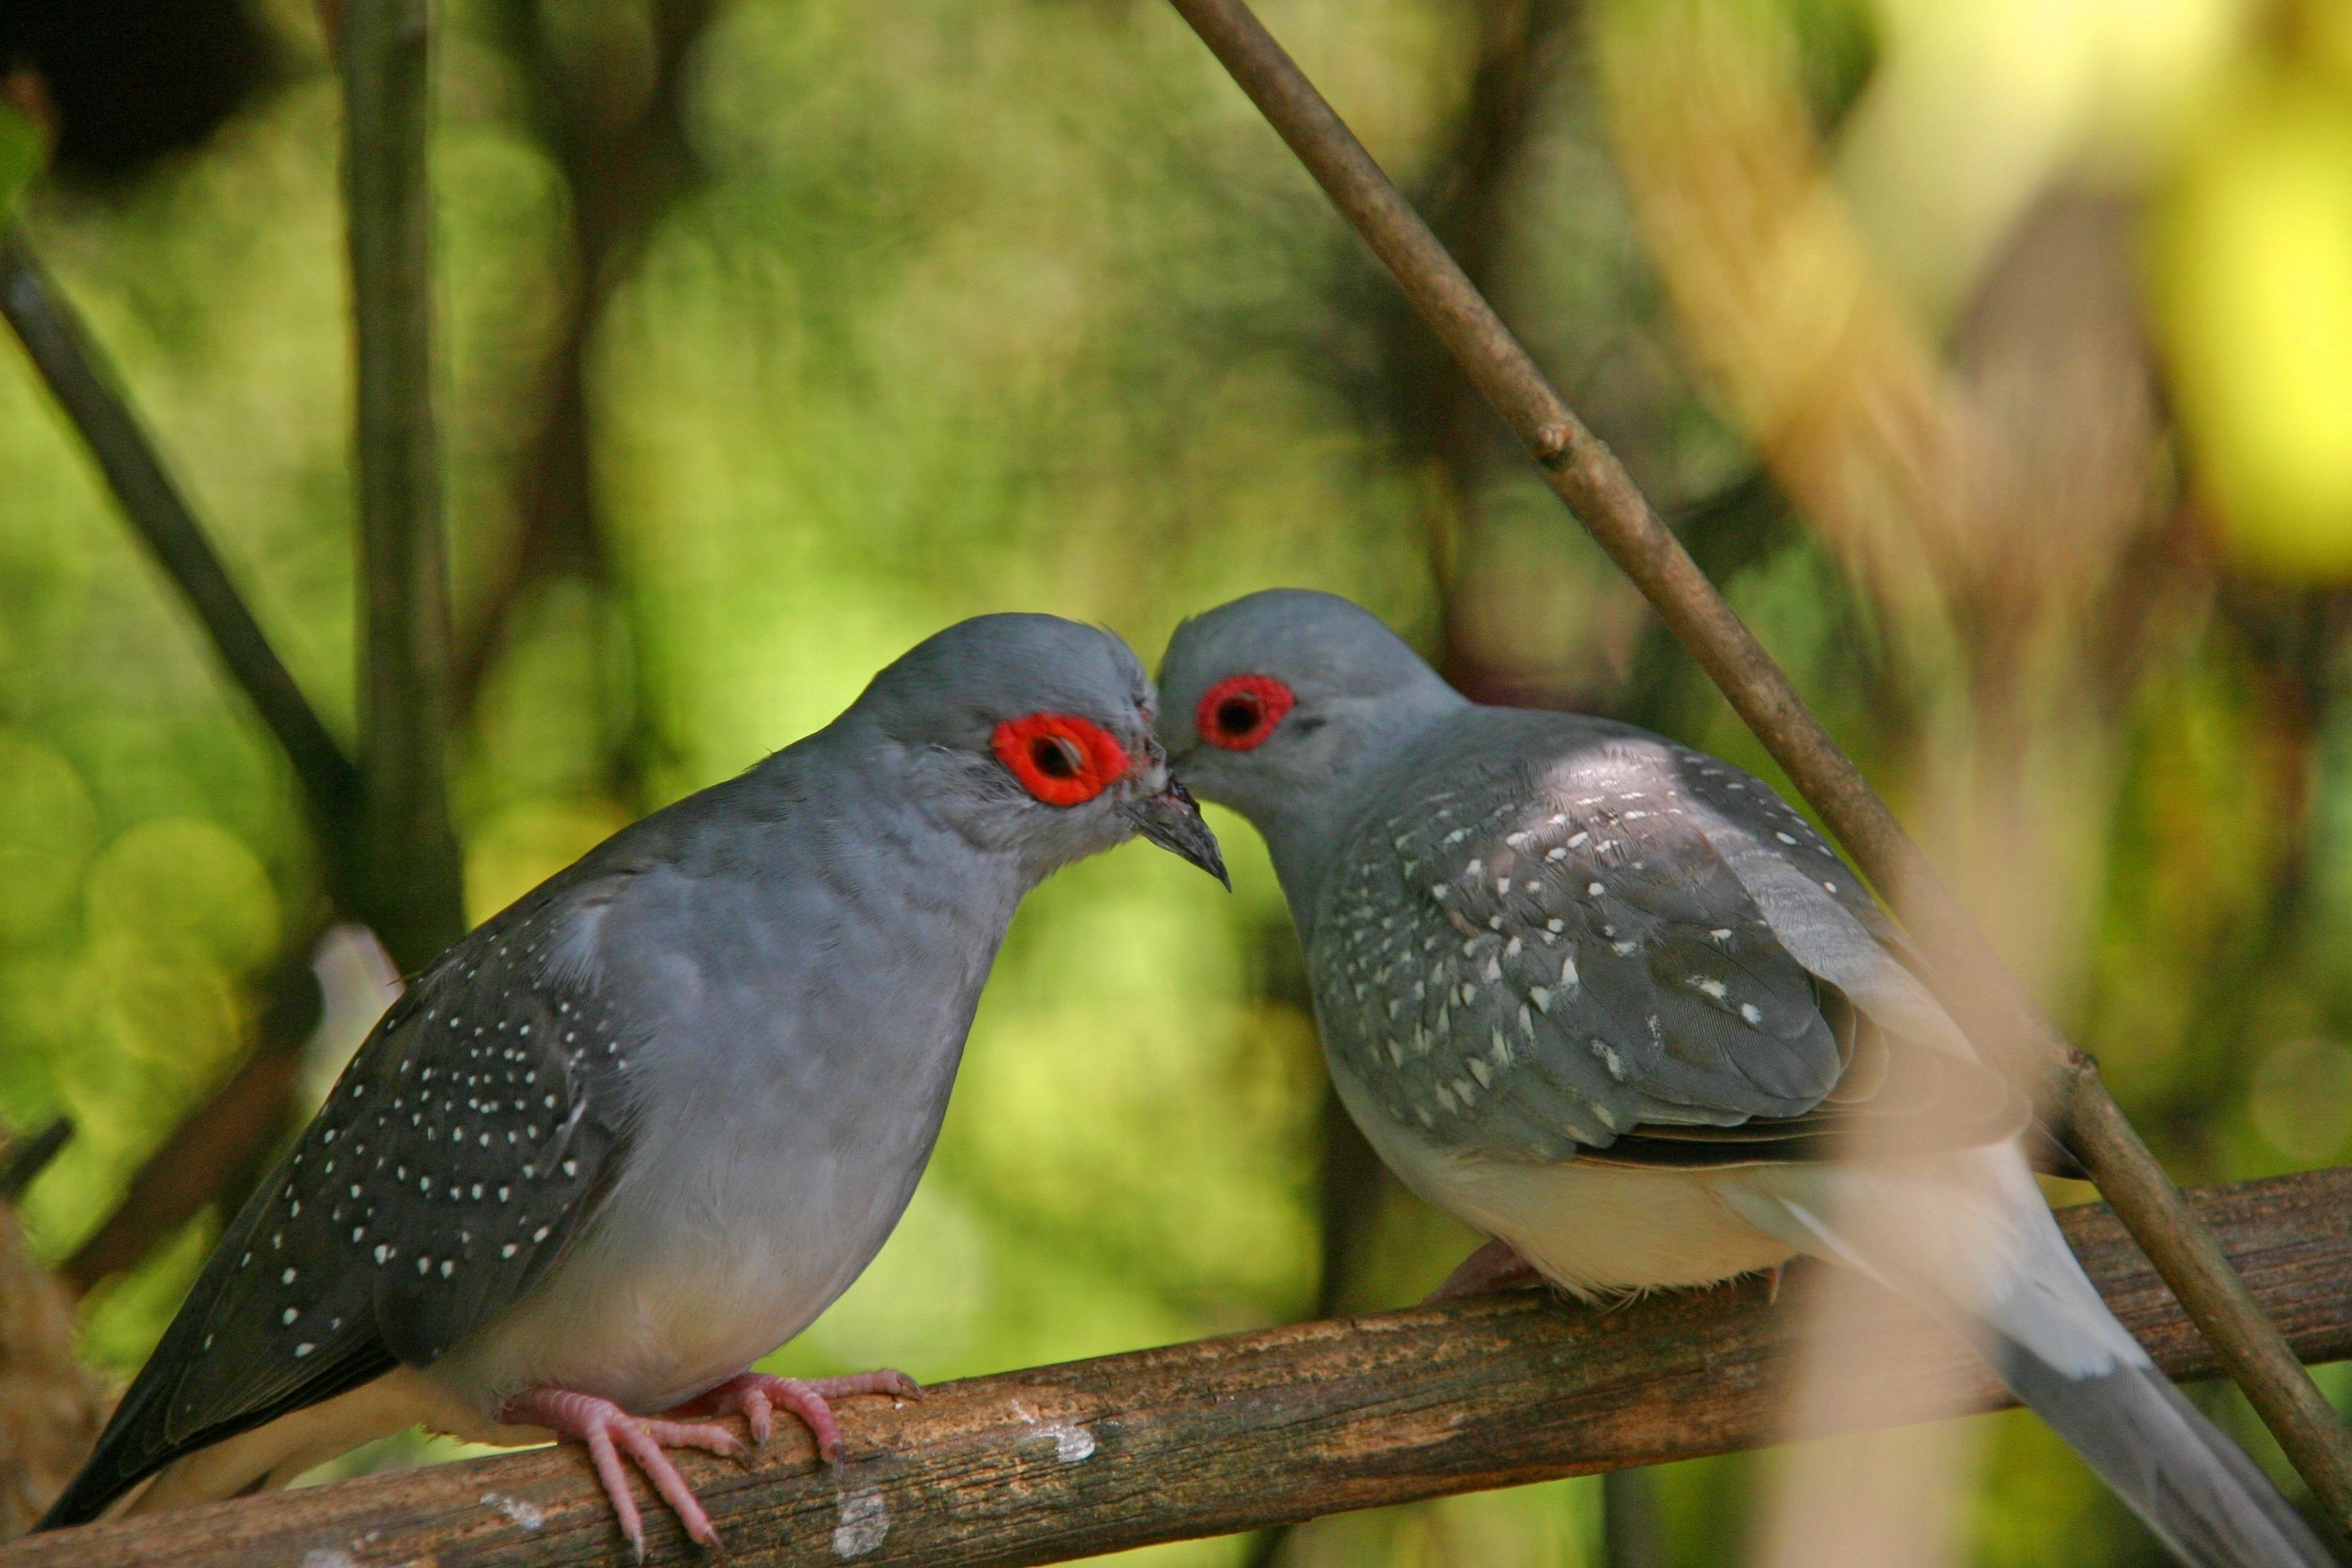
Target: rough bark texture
(1237,1433)
(50,1409)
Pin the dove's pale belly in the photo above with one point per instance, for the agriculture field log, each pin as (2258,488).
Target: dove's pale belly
(1592,1229)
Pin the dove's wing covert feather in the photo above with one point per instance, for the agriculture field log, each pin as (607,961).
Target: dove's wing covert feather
(1549,934)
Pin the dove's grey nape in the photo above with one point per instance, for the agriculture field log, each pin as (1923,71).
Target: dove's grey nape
(1612,1001)
(638,1130)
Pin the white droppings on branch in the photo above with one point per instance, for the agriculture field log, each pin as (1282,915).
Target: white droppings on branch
(1071,1442)
(865,1520)
(524,1515)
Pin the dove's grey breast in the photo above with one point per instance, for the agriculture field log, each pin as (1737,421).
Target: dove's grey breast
(791,1007)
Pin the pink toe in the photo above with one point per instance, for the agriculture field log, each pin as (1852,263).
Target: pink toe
(647,1452)
(708,1435)
(887,1380)
(757,1395)
(759,1415)
(615,1482)
(815,1414)
(603,1428)
(1494,1267)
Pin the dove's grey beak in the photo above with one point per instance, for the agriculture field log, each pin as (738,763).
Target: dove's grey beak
(1172,821)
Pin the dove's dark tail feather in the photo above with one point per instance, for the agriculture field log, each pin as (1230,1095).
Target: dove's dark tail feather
(136,1444)
(1972,1240)
(2193,1487)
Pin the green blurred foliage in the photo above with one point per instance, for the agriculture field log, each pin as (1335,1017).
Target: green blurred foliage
(22,153)
(964,305)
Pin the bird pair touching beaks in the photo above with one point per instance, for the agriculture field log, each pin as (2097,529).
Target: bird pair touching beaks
(1607,999)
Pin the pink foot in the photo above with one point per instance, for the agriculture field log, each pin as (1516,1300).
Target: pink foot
(754,1395)
(1494,1267)
(600,1423)
(1772,1285)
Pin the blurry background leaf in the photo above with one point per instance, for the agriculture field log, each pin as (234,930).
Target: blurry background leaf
(23,150)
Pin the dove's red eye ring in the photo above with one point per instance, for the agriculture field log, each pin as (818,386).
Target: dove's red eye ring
(1240,711)
(1060,758)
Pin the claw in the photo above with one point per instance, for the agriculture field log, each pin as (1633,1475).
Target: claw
(605,1429)
(755,1394)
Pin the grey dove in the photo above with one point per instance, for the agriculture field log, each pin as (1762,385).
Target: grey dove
(640,1129)
(1613,1003)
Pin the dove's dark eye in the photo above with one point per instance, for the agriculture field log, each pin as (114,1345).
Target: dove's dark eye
(1056,757)
(1059,758)
(1240,711)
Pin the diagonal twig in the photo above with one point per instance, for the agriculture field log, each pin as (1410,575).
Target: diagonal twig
(1981,993)
(22,1159)
(222,1135)
(76,373)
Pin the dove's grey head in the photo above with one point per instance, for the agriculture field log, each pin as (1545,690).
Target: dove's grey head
(1281,704)
(1033,735)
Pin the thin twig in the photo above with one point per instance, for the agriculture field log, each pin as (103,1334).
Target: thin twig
(411,881)
(623,175)
(1629,1534)
(1978,989)
(77,377)
(1240,1432)
(23,1159)
(223,1135)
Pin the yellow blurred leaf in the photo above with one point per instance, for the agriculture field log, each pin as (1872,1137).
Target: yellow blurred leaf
(48,829)
(525,844)
(2253,263)
(185,885)
(2302,1098)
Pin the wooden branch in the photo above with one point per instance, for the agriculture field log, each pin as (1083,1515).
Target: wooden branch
(78,378)
(1972,981)
(1238,1433)
(411,890)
